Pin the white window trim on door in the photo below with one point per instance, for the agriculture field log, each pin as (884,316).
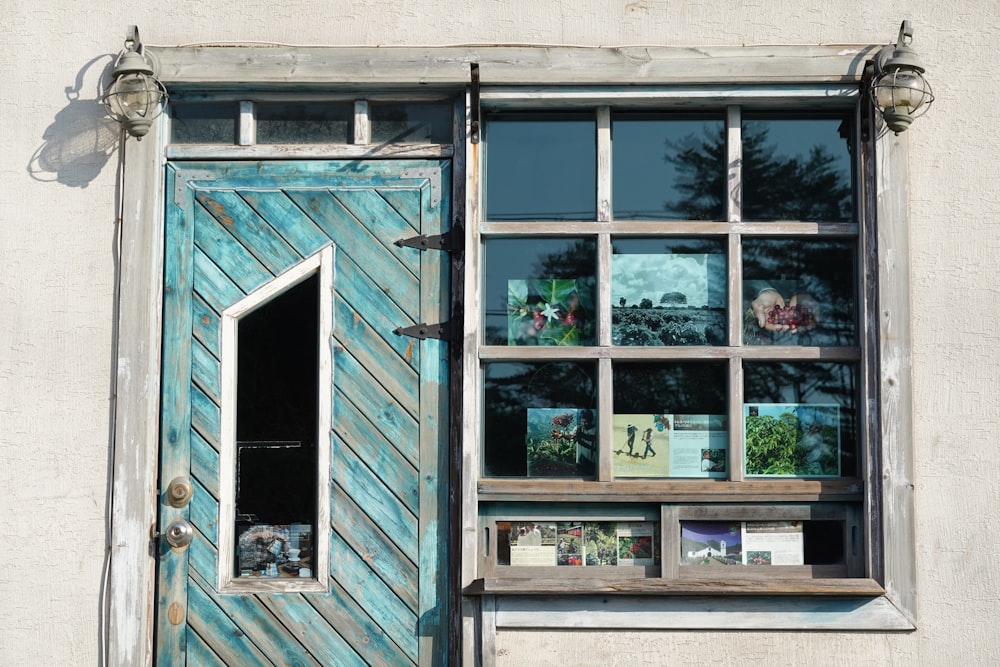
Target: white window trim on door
(320,263)
(135,487)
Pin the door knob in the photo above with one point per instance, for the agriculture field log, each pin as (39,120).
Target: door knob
(179,534)
(179,491)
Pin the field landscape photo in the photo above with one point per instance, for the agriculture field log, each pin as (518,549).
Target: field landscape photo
(668,299)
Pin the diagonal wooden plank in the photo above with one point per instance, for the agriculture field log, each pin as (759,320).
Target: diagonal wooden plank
(375,403)
(252,231)
(366,242)
(205,512)
(357,528)
(212,285)
(287,219)
(310,628)
(383,221)
(358,629)
(205,416)
(406,201)
(205,371)
(206,325)
(205,464)
(213,239)
(198,652)
(217,628)
(389,463)
(381,313)
(365,588)
(371,350)
(376,500)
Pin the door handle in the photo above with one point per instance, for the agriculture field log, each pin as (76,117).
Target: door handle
(179,492)
(179,534)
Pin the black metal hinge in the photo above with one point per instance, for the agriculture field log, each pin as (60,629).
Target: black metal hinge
(441,331)
(449,241)
(475,121)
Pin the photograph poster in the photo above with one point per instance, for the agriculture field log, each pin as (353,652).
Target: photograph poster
(668,445)
(742,543)
(668,299)
(635,544)
(772,543)
(791,439)
(561,442)
(549,311)
(569,545)
(532,544)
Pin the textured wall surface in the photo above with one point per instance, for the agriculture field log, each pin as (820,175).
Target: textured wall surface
(58,191)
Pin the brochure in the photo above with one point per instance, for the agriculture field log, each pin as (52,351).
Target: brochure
(670,445)
(635,544)
(772,543)
(582,543)
(742,543)
(561,442)
(533,544)
(792,439)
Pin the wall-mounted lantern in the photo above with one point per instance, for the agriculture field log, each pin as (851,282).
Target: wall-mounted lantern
(899,90)
(135,97)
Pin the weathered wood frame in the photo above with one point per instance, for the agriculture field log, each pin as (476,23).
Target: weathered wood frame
(305,71)
(872,603)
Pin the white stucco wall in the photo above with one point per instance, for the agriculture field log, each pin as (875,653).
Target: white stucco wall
(58,175)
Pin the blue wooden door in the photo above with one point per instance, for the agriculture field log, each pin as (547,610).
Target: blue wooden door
(233,228)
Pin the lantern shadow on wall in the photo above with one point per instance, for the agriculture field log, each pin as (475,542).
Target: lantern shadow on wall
(81,139)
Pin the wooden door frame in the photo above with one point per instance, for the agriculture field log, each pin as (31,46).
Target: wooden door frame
(131,598)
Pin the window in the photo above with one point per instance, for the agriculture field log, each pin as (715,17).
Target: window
(274,531)
(673,354)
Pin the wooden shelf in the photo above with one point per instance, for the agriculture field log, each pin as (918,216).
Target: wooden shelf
(693,586)
(671,490)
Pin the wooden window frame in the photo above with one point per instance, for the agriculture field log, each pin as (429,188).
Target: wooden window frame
(318,264)
(714,73)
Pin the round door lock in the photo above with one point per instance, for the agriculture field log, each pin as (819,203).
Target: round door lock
(179,492)
(179,534)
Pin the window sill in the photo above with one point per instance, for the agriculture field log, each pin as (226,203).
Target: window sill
(671,491)
(688,586)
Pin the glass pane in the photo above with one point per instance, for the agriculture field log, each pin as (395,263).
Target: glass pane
(304,123)
(668,292)
(540,419)
(540,291)
(762,542)
(670,420)
(276,428)
(798,169)
(541,167)
(668,167)
(410,123)
(800,419)
(193,123)
(578,543)
(799,292)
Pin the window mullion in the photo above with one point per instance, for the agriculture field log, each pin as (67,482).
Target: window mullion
(247,124)
(362,123)
(734,213)
(734,164)
(605,407)
(603,164)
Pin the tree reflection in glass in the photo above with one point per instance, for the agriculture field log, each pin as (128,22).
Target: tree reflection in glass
(540,419)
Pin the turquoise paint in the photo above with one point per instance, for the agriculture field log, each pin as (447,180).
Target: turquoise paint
(227,237)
